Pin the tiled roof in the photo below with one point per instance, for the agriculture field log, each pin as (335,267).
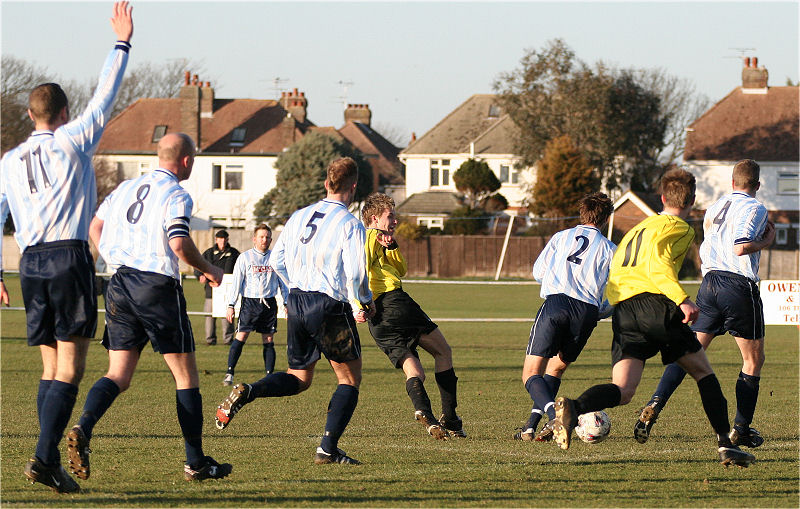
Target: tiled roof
(469,122)
(429,202)
(379,151)
(763,127)
(268,129)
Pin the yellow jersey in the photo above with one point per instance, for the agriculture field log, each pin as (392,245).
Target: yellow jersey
(648,259)
(384,266)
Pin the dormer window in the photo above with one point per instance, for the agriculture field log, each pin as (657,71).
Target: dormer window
(158,132)
(237,136)
(494,111)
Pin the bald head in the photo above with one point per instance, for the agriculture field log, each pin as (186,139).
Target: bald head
(176,153)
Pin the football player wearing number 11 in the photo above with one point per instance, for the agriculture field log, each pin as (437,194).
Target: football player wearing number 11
(651,315)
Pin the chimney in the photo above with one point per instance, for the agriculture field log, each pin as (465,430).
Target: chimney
(754,76)
(206,100)
(358,113)
(295,103)
(413,137)
(190,108)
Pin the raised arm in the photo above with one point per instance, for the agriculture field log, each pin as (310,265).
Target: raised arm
(122,21)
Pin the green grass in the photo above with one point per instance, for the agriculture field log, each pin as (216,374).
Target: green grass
(138,453)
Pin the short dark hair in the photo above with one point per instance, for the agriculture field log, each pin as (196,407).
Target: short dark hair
(342,173)
(374,205)
(46,102)
(746,174)
(221,234)
(677,188)
(261,226)
(595,208)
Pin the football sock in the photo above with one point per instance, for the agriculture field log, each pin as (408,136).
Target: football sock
(746,398)
(44,386)
(275,385)
(670,380)
(56,411)
(447,382)
(189,404)
(340,410)
(534,418)
(597,398)
(419,396)
(540,393)
(715,404)
(268,352)
(554,383)
(100,397)
(233,355)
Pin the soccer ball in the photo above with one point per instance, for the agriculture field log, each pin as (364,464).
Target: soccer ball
(593,427)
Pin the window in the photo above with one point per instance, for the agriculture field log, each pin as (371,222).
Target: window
(144,167)
(440,173)
(131,169)
(431,222)
(504,173)
(494,111)
(158,132)
(237,136)
(781,236)
(788,183)
(508,174)
(227,177)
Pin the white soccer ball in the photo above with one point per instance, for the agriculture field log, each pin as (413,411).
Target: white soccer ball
(593,427)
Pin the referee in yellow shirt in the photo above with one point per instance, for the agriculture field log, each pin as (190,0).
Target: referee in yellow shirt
(400,325)
(651,315)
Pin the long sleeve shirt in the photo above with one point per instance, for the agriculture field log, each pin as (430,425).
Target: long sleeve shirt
(254,278)
(386,266)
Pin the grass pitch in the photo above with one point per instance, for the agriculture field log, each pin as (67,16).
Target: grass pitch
(138,451)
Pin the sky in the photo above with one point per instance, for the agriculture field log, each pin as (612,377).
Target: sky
(412,62)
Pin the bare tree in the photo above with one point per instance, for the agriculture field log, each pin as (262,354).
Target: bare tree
(16,80)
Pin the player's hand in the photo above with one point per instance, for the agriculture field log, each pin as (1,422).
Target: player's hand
(769,234)
(385,239)
(3,294)
(229,314)
(214,277)
(122,21)
(202,279)
(690,311)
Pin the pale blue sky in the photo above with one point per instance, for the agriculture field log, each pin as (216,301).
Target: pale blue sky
(412,62)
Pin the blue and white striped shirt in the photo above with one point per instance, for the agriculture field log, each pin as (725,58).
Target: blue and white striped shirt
(321,249)
(736,218)
(575,262)
(254,278)
(47,182)
(140,217)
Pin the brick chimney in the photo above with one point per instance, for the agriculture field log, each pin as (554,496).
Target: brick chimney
(358,113)
(190,107)
(295,103)
(754,76)
(206,100)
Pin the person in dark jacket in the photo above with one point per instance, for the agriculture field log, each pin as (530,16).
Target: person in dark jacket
(221,255)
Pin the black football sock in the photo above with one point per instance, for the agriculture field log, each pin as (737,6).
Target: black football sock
(715,405)
(56,411)
(419,396)
(539,391)
(100,397)
(268,353)
(189,404)
(233,355)
(44,386)
(275,385)
(597,398)
(746,399)
(448,383)
(340,410)
(670,380)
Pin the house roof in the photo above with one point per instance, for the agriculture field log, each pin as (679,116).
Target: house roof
(649,203)
(469,123)
(268,128)
(760,126)
(429,202)
(379,151)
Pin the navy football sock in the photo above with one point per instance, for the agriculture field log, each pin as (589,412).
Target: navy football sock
(268,353)
(597,398)
(340,410)
(100,397)
(715,405)
(540,393)
(233,355)
(56,411)
(670,380)
(419,396)
(448,383)
(746,399)
(554,383)
(189,404)
(534,418)
(275,385)
(44,386)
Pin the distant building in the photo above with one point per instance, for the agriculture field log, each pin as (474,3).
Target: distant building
(758,122)
(238,142)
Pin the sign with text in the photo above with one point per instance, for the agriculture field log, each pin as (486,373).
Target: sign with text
(781,302)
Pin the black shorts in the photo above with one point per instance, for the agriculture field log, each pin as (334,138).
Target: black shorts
(649,323)
(317,323)
(398,324)
(731,303)
(259,315)
(142,306)
(57,280)
(563,324)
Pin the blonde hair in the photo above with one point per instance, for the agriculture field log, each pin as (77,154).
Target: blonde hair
(374,205)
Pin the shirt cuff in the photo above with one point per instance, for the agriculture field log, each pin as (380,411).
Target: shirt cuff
(123,45)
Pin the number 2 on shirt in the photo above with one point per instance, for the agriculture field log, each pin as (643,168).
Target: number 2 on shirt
(310,224)
(584,244)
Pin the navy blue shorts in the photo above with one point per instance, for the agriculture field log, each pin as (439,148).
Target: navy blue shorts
(142,306)
(563,324)
(259,315)
(649,323)
(57,280)
(398,324)
(730,303)
(317,323)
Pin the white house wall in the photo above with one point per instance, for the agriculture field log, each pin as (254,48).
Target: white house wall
(714,180)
